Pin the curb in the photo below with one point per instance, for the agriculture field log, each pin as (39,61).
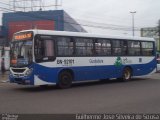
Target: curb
(4,81)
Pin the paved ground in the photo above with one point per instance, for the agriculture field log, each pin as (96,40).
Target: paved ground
(4,76)
(138,96)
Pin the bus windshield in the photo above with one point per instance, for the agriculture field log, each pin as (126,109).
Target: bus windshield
(21,53)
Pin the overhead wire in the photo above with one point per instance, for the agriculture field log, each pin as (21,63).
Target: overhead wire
(88,24)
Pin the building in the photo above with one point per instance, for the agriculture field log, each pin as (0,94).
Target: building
(16,21)
(49,20)
(152,32)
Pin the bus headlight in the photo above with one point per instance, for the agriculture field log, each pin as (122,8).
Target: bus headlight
(29,72)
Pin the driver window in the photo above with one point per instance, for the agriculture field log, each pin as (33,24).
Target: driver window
(44,50)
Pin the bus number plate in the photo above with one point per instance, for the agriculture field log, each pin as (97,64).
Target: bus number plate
(65,62)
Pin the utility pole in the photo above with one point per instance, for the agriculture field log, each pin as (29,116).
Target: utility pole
(56,4)
(159,34)
(133,21)
(14,5)
(31,5)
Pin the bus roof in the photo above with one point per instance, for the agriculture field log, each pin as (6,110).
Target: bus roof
(82,34)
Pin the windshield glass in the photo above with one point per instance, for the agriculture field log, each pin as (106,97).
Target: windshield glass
(21,53)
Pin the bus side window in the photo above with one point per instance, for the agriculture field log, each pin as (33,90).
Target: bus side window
(65,46)
(147,48)
(38,49)
(103,47)
(84,46)
(124,47)
(117,50)
(134,48)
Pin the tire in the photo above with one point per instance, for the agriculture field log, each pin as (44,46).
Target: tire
(126,75)
(43,86)
(104,80)
(65,80)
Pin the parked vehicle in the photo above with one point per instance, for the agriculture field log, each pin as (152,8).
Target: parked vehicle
(158,64)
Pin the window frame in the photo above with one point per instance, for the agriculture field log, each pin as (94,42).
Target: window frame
(120,40)
(153,49)
(140,53)
(102,47)
(73,38)
(43,38)
(93,49)
(56,44)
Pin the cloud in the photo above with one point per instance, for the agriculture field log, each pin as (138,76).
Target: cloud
(112,11)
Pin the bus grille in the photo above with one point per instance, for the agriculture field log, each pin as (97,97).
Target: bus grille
(18,70)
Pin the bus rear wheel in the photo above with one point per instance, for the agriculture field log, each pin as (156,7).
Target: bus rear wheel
(65,80)
(127,73)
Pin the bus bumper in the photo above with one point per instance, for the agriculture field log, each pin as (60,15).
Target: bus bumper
(22,80)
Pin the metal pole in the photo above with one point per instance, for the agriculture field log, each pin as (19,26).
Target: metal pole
(31,5)
(159,35)
(56,4)
(133,21)
(14,5)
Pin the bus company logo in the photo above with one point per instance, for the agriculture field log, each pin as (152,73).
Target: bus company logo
(126,61)
(95,61)
(118,62)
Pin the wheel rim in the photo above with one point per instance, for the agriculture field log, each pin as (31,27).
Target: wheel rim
(127,74)
(65,80)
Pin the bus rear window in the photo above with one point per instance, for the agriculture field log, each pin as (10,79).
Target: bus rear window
(147,48)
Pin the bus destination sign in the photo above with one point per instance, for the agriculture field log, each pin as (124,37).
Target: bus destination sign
(23,36)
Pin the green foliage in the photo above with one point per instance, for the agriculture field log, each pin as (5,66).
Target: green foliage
(118,62)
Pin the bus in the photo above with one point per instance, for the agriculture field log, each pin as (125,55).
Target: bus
(43,57)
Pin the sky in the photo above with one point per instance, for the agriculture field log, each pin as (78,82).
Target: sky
(109,14)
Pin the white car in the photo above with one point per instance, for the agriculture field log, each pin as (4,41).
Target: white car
(158,64)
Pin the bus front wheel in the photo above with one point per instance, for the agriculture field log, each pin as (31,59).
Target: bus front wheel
(126,75)
(65,80)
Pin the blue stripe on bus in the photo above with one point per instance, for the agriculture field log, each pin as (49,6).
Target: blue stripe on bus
(93,72)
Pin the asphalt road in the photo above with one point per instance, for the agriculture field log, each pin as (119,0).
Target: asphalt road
(142,95)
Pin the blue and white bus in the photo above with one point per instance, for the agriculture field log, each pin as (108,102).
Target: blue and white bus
(42,57)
